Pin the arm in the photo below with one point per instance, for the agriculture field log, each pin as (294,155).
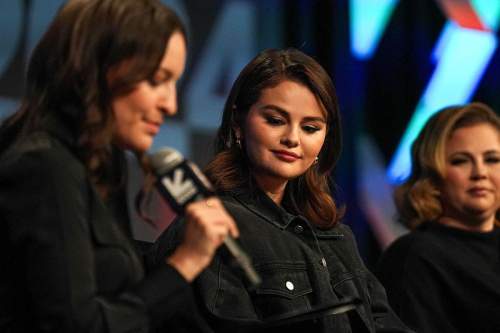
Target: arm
(47,201)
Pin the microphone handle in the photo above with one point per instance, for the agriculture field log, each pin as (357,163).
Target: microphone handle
(243,261)
(238,258)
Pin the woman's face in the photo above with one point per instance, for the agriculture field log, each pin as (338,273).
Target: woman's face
(470,193)
(139,113)
(283,133)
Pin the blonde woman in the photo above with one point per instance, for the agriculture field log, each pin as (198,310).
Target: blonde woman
(445,275)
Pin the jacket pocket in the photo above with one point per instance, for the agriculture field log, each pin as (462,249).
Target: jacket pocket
(283,290)
(353,284)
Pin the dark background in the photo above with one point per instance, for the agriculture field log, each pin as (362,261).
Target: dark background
(377,95)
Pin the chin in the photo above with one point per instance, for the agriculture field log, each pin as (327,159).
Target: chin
(140,147)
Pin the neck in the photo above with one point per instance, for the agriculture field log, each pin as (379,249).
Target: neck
(273,188)
(482,225)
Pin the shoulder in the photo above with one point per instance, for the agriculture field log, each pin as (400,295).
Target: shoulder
(413,253)
(234,207)
(43,169)
(344,229)
(417,242)
(43,155)
(341,233)
(341,251)
(230,201)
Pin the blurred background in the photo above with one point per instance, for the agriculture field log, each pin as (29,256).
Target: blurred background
(393,62)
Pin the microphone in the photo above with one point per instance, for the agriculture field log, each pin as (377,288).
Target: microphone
(181,182)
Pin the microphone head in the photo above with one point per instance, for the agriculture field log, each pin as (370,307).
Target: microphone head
(165,159)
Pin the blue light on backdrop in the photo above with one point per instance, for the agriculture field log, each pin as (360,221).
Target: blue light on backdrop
(463,58)
(461,54)
(368,20)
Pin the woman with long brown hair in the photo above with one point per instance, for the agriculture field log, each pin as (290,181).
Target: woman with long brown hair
(278,143)
(100,81)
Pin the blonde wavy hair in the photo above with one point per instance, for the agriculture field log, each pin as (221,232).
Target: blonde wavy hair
(418,198)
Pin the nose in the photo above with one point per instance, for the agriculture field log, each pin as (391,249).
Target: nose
(167,103)
(290,137)
(478,170)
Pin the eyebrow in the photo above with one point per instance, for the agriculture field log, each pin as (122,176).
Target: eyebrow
(286,114)
(488,152)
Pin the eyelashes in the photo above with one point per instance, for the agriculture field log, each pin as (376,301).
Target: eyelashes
(310,129)
(488,160)
(275,121)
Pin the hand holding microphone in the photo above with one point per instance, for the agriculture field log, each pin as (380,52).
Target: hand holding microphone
(188,191)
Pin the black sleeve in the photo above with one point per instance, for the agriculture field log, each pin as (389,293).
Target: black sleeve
(166,243)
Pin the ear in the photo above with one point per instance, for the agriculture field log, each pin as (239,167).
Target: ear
(238,133)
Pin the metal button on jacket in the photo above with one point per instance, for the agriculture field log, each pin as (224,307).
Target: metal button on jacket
(289,285)
(323,262)
(298,229)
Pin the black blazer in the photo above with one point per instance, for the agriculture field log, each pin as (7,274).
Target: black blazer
(65,263)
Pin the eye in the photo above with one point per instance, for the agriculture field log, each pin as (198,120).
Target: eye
(492,159)
(155,81)
(274,121)
(458,161)
(310,129)
(159,78)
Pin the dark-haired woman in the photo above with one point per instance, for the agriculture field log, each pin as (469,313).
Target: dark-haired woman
(278,143)
(100,81)
(444,276)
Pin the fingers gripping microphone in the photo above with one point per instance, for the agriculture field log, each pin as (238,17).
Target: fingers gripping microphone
(181,182)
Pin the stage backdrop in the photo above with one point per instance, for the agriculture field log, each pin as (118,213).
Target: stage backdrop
(393,62)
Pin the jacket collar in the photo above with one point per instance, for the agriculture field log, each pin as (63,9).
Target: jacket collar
(256,200)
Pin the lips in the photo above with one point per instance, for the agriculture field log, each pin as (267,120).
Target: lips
(153,127)
(286,155)
(479,190)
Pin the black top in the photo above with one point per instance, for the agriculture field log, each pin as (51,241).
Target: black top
(66,263)
(301,268)
(442,279)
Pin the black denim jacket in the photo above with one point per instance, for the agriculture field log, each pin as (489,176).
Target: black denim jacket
(300,266)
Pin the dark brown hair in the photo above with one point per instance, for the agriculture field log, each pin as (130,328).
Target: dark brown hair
(308,194)
(418,198)
(67,76)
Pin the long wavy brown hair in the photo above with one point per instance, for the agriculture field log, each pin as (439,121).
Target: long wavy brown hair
(67,77)
(418,198)
(308,194)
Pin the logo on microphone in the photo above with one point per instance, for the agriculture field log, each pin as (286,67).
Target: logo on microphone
(179,188)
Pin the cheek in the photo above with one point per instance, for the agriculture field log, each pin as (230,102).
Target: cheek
(132,105)
(255,149)
(260,138)
(455,179)
(123,121)
(495,179)
(312,146)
